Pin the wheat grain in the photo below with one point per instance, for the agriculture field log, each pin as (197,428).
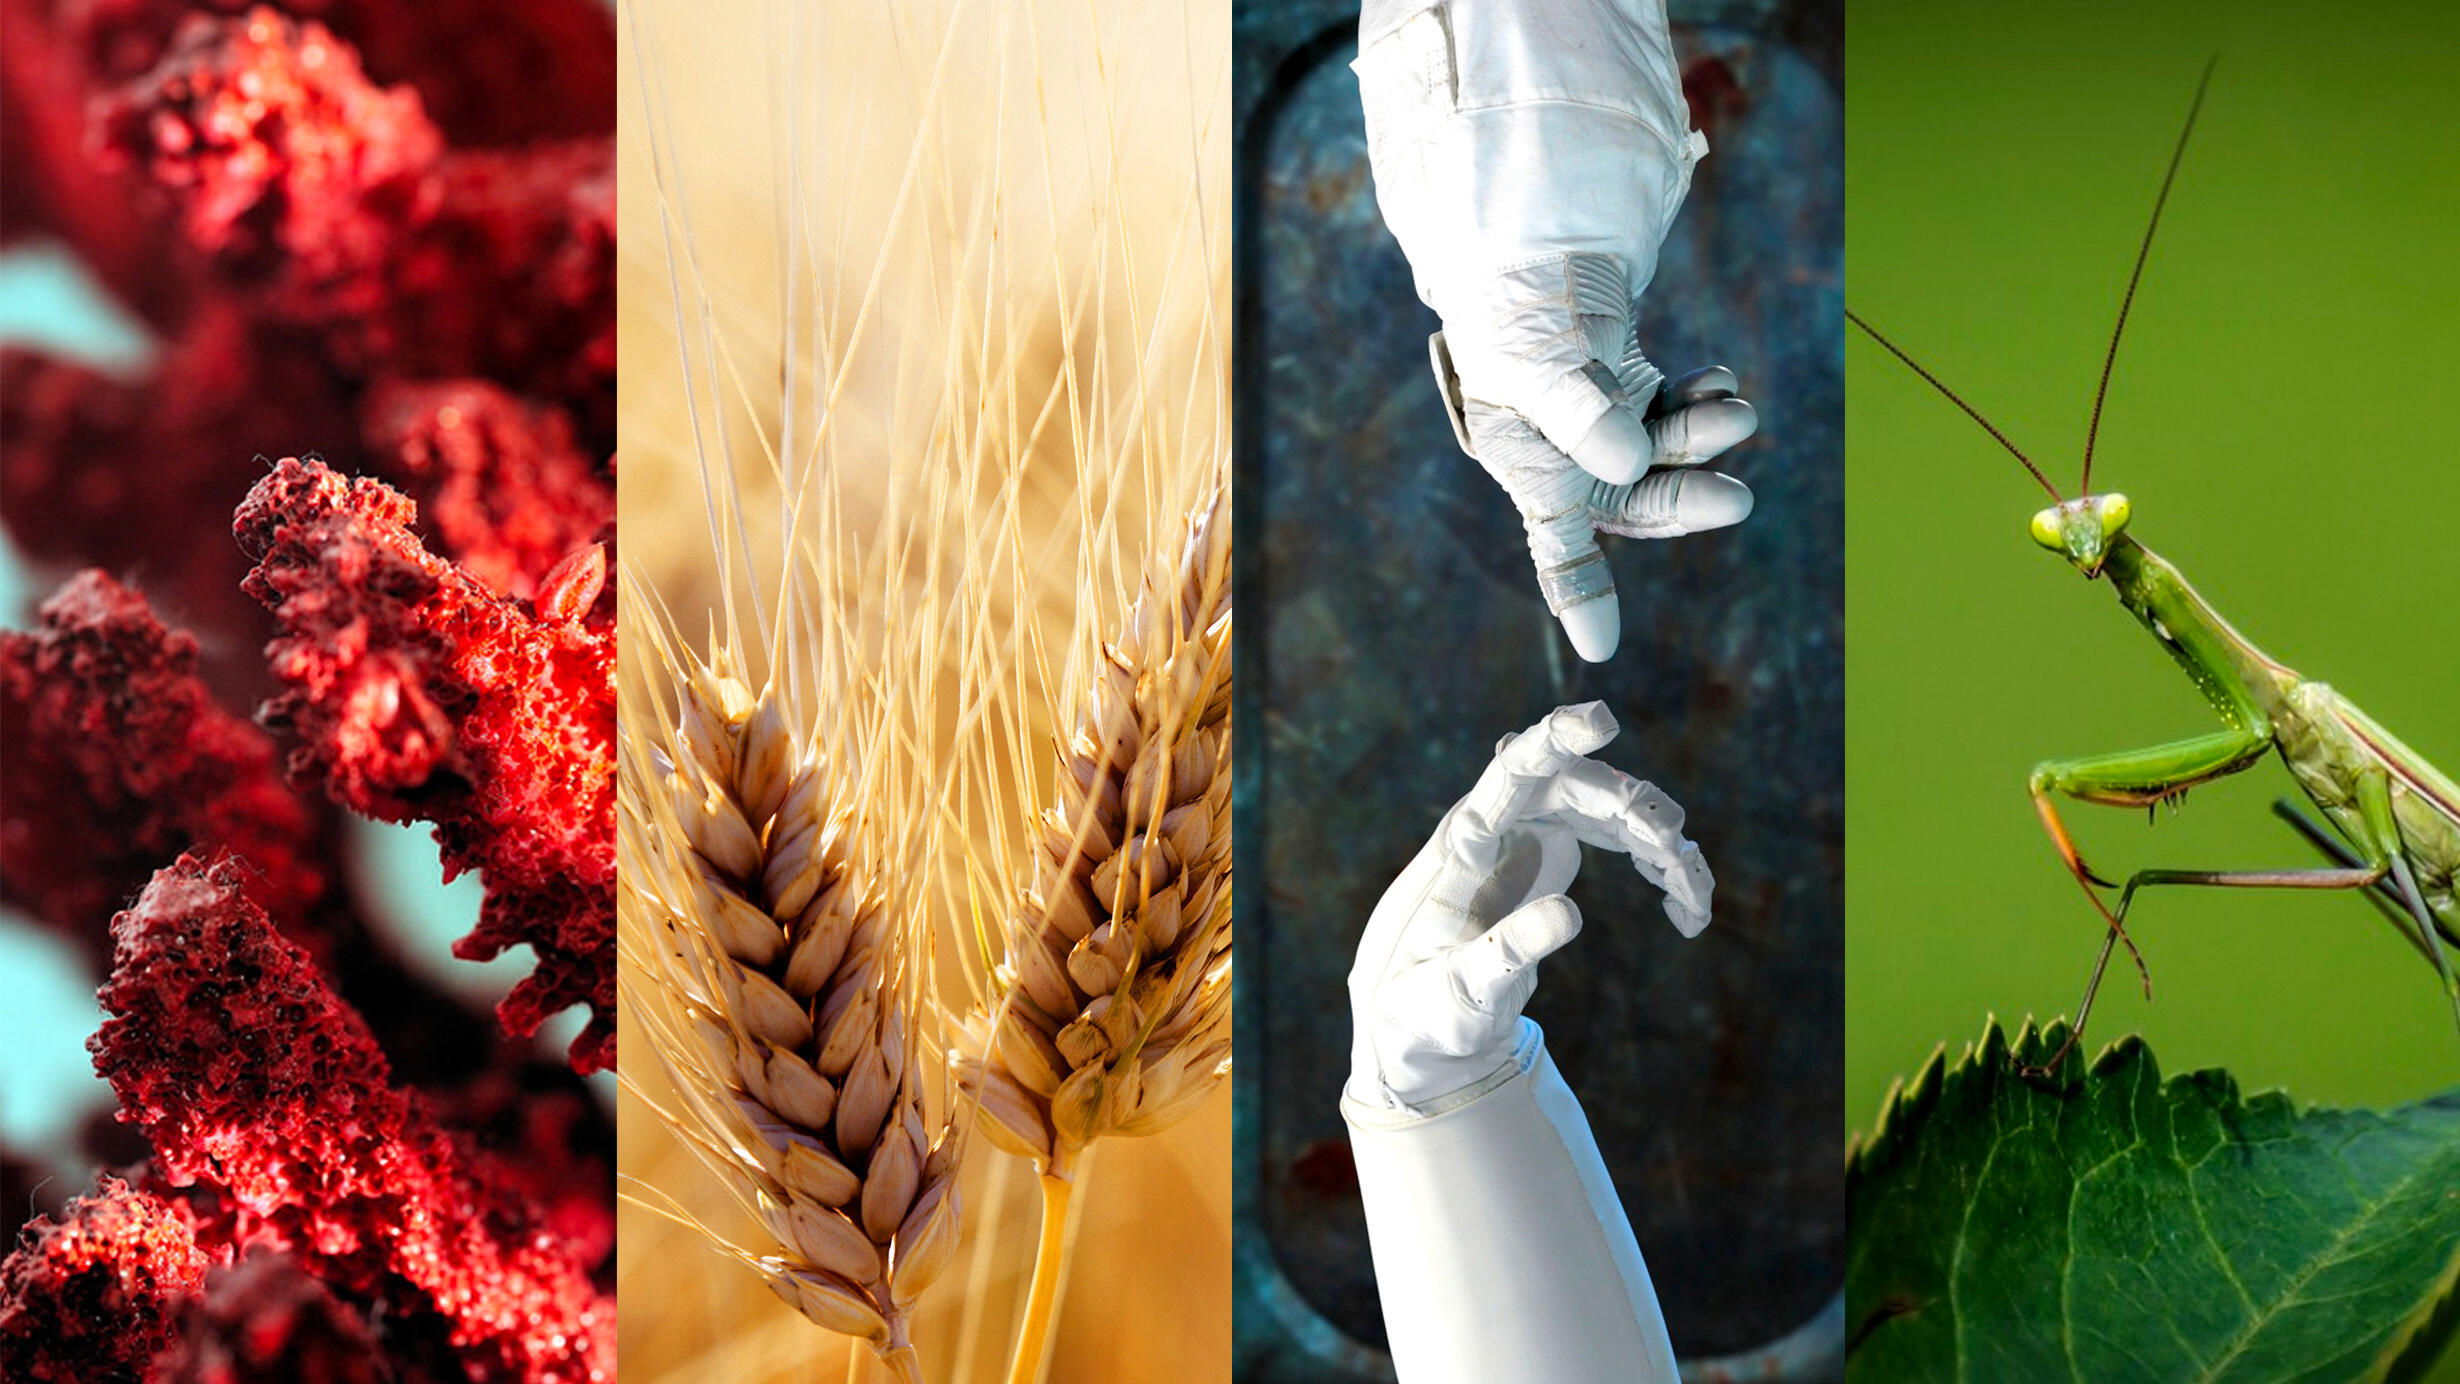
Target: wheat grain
(1110,1013)
(791,1003)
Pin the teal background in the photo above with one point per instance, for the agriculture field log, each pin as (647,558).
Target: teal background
(2280,418)
(47,1008)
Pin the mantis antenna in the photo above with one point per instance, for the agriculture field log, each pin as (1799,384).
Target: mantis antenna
(1954,398)
(2092,430)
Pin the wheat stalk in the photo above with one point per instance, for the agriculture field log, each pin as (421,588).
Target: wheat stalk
(949,389)
(789,1002)
(1110,1010)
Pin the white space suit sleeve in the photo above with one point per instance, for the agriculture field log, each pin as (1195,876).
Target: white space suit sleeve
(1501,1250)
(1529,156)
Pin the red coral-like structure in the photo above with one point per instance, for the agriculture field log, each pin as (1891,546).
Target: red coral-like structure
(267,1319)
(488,71)
(121,759)
(92,1295)
(304,242)
(508,489)
(254,1081)
(381,231)
(419,694)
(285,166)
(290,170)
(97,470)
(512,276)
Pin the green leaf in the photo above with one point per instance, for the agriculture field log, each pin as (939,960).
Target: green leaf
(2117,1227)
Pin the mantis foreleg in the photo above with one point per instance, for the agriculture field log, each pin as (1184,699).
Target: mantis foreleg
(2135,778)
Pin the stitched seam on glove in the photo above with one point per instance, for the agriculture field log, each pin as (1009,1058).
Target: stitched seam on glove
(1552,495)
(1642,381)
(1400,1114)
(1452,974)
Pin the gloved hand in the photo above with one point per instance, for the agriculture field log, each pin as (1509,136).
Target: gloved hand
(1529,156)
(1501,1248)
(1450,954)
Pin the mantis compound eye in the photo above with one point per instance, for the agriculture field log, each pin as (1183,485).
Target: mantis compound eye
(2114,511)
(2048,530)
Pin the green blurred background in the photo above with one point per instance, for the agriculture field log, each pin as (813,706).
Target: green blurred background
(2281,418)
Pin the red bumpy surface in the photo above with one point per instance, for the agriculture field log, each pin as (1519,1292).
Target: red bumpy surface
(255,1083)
(382,230)
(419,694)
(92,1294)
(120,759)
(267,1318)
(305,244)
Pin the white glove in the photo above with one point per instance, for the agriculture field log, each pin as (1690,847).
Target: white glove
(1450,954)
(1501,1250)
(1529,156)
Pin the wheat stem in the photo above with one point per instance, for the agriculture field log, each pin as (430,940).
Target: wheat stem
(1057,1187)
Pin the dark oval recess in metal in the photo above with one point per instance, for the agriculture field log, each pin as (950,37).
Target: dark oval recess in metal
(1394,631)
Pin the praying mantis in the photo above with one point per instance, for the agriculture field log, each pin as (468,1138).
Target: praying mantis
(2389,819)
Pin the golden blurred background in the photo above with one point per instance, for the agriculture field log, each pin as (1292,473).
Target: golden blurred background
(990,240)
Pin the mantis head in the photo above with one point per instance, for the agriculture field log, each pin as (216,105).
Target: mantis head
(2082,529)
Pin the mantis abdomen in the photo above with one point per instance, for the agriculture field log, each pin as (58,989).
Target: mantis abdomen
(2329,745)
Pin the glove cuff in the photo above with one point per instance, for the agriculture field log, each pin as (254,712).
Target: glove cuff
(1368,1103)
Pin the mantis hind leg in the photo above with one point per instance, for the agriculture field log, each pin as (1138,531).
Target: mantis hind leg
(2374,795)
(2360,877)
(2407,879)
(2385,896)
(2380,868)
(2406,906)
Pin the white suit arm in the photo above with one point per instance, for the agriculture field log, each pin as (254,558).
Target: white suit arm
(1530,156)
(1501,1250)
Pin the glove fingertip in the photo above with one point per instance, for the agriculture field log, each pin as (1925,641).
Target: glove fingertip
(1701,385)
(1539,928)
(1617,449)
(1689,887)
(1743,419)
(1697,432)
(1689,921)
(1595,627)
(1714,500)
(1578,730)
(1591,723)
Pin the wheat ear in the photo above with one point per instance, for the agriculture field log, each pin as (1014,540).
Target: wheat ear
(792,997)
(1110,1012)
